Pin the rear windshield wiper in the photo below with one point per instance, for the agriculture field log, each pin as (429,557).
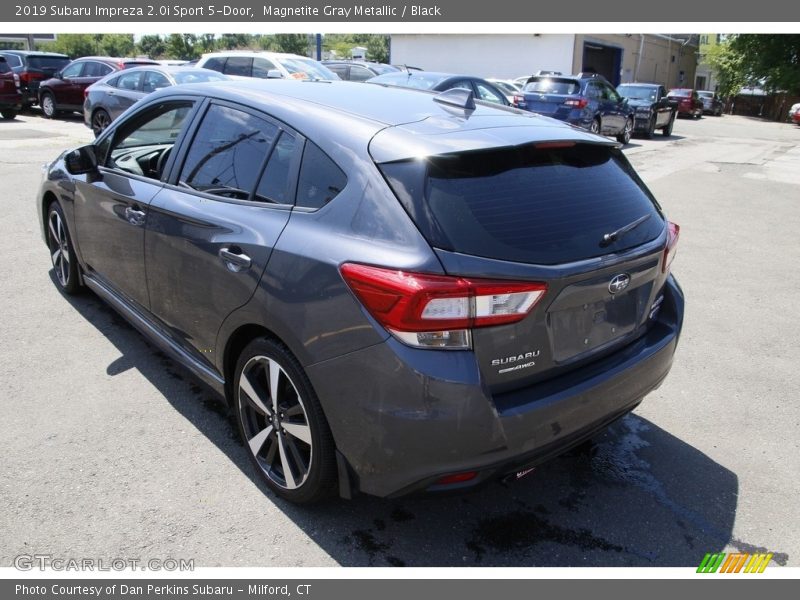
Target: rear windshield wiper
(610,238)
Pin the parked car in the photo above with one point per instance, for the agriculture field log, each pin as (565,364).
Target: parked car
(265,65)
(794,113)
(33,67)
(712,105)
(480,295)
(108,98)
(358,70)
(689,103)
(587,100)
(652,109)
(439,82)
(507,86)
(64,91)
(10,96)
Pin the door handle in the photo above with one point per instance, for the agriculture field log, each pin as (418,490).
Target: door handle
(235,260)
(134,216)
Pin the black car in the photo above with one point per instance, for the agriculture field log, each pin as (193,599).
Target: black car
(396,293)
(33,67)
(358,70)
(440,82)
(652,109)
(587,100)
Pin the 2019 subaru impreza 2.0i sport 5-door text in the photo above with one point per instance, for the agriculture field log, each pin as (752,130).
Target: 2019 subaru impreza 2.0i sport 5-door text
(396,291)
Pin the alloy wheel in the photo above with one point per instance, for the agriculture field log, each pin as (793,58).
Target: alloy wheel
(48,106)
(100,120)
(59,248)
(275,423)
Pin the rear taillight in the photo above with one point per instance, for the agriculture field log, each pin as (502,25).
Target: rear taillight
(576,102)
(673,233)
(438,311)
(27,77)
(519,101)
(85,93)
(16,80)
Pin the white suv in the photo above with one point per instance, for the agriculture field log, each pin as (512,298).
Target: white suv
(265,65)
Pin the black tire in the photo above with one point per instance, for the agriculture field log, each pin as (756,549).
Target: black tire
(100,120)
(595,126)
(8,114)
(48,103)
(625,136)
(62,253)
(651,128)
(287,437)
(667,130)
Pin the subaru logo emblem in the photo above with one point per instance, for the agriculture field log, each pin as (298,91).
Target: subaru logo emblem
(619,283)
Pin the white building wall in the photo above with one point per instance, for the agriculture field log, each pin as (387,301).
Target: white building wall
(502,56)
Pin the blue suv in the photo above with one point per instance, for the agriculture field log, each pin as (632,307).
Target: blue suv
(587,100)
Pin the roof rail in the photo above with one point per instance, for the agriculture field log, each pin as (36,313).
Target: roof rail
(457,97)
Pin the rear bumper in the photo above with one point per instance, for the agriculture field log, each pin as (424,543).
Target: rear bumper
(403,418)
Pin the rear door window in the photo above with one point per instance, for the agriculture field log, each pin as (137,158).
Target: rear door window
(227,153)
(241,66)
(359,73)
(216,63)
(96,69)
(13,60)
(275,184)
(530,205)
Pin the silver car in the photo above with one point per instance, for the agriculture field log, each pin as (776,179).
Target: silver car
(108,98)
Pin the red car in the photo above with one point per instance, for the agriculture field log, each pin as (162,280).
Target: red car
(64,92)
(689,102)
(10,96)
(794,113)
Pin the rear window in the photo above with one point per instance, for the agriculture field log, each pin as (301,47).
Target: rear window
(53,63)
(541,206)
(548,85)
(680,93)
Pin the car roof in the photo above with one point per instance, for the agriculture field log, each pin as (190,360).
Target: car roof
(339,114)
(264,53)
(34,53)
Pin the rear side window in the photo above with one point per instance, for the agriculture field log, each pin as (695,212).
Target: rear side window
(51,63)
(14,60)
(549,85)
(320,180)
(4,68)
(541,206)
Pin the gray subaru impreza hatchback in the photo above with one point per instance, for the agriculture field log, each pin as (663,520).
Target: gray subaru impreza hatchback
(396,291)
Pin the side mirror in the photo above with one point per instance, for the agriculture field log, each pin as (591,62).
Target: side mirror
(274,74)
(81,160)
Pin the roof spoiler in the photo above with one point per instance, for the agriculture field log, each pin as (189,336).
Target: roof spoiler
(457,97)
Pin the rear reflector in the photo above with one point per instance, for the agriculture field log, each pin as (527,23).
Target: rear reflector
(673,233)
(437,311)
(457,478)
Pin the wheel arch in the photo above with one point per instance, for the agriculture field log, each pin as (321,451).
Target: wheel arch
(236,342)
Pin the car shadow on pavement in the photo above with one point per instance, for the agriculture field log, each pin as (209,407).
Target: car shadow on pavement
(638,497)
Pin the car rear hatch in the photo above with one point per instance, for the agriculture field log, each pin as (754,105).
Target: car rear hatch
(566,213)
(551,96)
(41,67)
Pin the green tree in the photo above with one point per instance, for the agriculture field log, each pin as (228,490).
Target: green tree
(117,44)
(182,46)
(74,45)
(293,43)
(727,66)
(773,59)
(153,46)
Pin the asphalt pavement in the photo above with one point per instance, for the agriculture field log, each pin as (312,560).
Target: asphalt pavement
(111,450)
